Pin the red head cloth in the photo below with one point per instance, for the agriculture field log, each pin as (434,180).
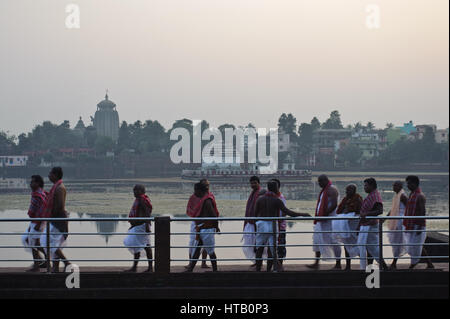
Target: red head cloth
(195,204)
(140,199)
(51,198)
(411,211)
(324,205)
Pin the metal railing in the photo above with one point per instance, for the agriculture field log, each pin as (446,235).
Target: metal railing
(162,237)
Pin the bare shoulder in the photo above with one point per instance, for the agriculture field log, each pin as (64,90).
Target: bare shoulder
(421,198)
(332,191)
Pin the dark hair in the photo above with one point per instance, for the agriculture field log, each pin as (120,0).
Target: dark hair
(255,178)
(58,172)
(203,180)
(272,186)
(200,187)
(372,182)
(38,179)
(414,179)
(277,181)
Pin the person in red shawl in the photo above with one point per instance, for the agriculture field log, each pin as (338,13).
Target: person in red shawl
(415,234)
(326,206)
(56,208)
(249,236)
(139,232)
(31,239)
(191,206)
(205,229)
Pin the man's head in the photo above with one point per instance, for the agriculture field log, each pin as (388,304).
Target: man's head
(200,189)
(36,182)
(350,190)
(205,182)
(138,190)
(412,182)
(272,186)
(397,186)
(56,173)
(370,184)
(254,182)
(323,180)
(276,180)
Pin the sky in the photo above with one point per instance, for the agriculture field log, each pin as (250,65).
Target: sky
(224,61)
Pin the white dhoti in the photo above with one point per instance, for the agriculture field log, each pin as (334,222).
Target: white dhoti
(414,241)
(57,240)
(368,242)
(346,232)
(249,238)
(322,240)
(264,234)
(32,236)
(137,239)
(192,239)
(397,239)
(207,238)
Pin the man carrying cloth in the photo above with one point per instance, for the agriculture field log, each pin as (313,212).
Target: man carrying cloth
(56,208)
(138,238)
(249,236)
(37,210)
(190,211)
(415,228)
(269,205)
(326,206)
(368,231)
(347,229)
(205,229)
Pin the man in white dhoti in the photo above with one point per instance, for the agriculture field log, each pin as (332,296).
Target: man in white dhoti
(322,237)
(415,229)
(269,205)
(205,229)
(347,229)
(138,237)
(31,239)
(395,234)
(368,239)
(56,208)
(249,236)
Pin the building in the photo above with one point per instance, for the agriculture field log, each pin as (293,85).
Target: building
(106,119)
(80,127)
(441,136)
(326,140)
(421,130)
(371,143)
(13,161)
(408,128)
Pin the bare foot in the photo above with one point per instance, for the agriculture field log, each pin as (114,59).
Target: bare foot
(313,266)
(33,269)
(205,266)
(337,267)
(132,269)
(149,270)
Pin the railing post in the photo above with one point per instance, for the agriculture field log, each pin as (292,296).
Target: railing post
(380,242)
(275,245)
(162,245)
(47,234)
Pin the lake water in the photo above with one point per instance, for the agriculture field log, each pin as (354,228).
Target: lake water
(113,198)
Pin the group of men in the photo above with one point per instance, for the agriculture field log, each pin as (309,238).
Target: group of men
(359,236)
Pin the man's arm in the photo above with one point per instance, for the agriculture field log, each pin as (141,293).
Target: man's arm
(377,209)
(404,199)
(420,206)
(209,211)
(60,196)
(332,198)
(289,212)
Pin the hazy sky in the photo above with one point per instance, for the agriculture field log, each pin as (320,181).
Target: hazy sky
(235,61)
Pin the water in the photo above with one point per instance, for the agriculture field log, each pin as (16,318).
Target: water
(113,198)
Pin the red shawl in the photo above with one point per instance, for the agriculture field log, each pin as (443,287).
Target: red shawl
(324,204)
(145,200)
(367,206)
(50,199)
(195,204)
(38,204)
(411,211)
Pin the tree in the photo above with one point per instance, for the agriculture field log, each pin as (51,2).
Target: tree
(288,124)
(350,154)
(305,138)
(370,126)
(104,144)
(7,143)
(389,126)
(315,123)
(333,122)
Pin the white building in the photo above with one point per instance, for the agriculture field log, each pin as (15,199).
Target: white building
(13,161)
